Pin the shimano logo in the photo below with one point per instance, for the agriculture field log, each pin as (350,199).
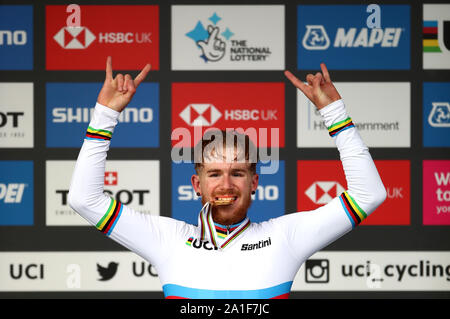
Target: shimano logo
(258,245)
(84,115)
(18,37)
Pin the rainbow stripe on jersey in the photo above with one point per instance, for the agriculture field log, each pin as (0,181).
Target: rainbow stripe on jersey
(97,134)
(353,211)
(109,220)
(341,126)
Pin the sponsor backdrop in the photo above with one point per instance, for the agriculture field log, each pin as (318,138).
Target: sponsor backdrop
(221,66)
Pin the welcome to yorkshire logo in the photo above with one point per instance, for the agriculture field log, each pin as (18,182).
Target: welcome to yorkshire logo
(214,39)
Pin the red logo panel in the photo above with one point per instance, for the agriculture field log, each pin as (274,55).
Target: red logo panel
(255,108)
(130,34)
(318,182)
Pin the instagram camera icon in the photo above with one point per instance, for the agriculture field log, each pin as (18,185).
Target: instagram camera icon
(317,271)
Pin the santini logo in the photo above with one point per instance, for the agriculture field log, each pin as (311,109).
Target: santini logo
(258,245)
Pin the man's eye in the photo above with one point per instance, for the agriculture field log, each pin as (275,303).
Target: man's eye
(238,174)
(213,175)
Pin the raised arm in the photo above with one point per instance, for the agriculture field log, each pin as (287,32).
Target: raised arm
(365,189)
(142,233)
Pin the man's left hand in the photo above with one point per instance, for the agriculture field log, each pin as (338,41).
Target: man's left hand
(319,90)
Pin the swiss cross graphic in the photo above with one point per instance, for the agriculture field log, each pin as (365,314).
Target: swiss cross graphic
(74,37)
(200,114)
(324,192)
(110,178)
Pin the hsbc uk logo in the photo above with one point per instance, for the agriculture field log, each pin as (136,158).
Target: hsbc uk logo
(200,114)
(74,37)
(82,37)
(324,191)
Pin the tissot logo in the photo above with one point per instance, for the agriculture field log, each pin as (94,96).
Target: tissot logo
(74,37)
(324,192)
(200,114)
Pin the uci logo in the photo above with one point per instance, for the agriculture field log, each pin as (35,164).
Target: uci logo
(196,243)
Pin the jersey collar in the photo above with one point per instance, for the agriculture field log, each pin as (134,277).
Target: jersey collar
(209,232)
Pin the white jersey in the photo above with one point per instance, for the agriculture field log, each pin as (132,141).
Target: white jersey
(247,260)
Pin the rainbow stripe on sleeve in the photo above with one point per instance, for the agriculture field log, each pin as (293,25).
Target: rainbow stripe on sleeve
(109,220)
(97,134)
(338,127)
(351,208)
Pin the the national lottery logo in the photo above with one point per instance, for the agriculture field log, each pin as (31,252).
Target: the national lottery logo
(215,39)
(440,114)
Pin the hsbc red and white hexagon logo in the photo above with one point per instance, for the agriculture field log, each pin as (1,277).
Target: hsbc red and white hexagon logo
(74,37)
(318,182)
(130,34)
(256,109)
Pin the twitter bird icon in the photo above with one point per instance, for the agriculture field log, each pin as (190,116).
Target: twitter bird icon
(106,273)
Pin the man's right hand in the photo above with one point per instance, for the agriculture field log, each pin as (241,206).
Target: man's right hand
(117,92)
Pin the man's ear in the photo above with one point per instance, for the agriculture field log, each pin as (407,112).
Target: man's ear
(195,181)
(255,180)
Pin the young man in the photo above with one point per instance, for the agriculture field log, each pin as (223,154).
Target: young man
(225,255)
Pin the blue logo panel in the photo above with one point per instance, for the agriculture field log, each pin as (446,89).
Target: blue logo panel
(436,114)
(70,105)
(347,37)
(16,37)
(16,193)
(268,202)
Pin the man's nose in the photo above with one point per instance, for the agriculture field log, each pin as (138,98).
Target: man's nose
(226,181)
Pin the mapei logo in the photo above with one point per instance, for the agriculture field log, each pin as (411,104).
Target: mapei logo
(346,38)
(16,193)
(323,192)
(316,38)
(440,114)
(74,37)
(200,114)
